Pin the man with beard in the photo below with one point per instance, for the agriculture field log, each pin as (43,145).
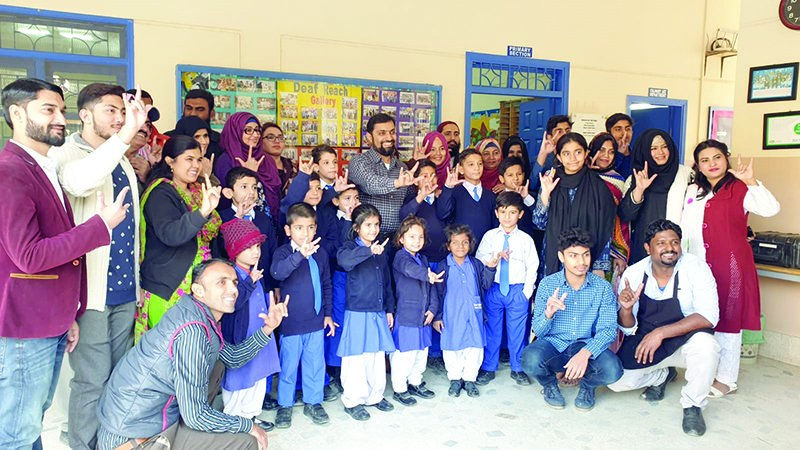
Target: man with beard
(91,162)
(382,179)
(200,103)
(667,310)
(452,133)
(42,270)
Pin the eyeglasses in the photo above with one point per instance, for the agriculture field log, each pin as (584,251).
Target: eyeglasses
(273,138)
(249,131)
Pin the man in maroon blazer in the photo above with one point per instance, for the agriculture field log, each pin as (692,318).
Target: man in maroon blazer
(42,269)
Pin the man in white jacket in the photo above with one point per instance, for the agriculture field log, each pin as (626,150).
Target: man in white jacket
(89,163)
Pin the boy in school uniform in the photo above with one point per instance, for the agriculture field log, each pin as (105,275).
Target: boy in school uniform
(301,268)
(509,296)
(326,165)
(512,177)
(469,203)
(306,187)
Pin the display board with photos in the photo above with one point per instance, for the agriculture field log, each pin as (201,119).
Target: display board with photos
(315,110)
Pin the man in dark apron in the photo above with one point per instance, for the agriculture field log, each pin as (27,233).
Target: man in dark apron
(667,310)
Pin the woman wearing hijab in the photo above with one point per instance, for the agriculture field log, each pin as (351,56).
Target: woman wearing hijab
(602,158)
(435,146)
(490,152)
(515,146)
(241,141)
(572,196)
(179,221)
(655,190)
(274,143)
(200,130)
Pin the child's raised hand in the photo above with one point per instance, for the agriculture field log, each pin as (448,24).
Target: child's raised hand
(309,248)
(452,179)
(376,248)
(341,184)
(390,320)
(438,326)
(330,325)
(523,190)
(244,208)
(256,274)
(428,318)
(434,277)
(306,166)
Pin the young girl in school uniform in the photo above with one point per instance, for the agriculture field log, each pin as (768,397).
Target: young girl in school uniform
(368,315)
(461,323)
(417,305)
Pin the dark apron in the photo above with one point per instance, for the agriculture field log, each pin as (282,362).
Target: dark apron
(653,314)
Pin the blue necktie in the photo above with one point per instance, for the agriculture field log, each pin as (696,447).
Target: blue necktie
(315,282)
(504,269)
(429,199)
(475,194)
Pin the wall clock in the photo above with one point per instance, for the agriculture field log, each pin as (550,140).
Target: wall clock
(789,13)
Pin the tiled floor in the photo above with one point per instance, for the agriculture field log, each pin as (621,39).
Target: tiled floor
(763,414)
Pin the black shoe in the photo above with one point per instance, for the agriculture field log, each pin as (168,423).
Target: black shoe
(471,389)
(270,404)
(357,412)
(404,398)
(317,414)
(693,423)
(266,426)
(383,405)
(421,391)
(521,378)
(283,419)
(436,363)
(505,358)
(455,388)
(484,377)
(656,393)
(298,398)
(336,384)
(329,394)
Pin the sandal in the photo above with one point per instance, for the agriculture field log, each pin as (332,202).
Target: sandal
(716,393)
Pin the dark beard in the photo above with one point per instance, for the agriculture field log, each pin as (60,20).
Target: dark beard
(454,146)
(42,134)
(385,151)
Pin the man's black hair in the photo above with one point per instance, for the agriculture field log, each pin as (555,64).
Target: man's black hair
(22,91)
(659,225)
(574,237)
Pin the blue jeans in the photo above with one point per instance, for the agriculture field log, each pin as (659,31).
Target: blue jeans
(29,371)
(542,361)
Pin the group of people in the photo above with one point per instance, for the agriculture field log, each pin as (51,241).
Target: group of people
(227,263)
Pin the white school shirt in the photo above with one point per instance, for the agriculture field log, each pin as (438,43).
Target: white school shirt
(758,200)
(523,261)
(471,189)
(697,289)
(49,166)
(528,201)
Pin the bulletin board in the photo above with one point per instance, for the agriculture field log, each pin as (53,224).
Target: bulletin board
(313,109)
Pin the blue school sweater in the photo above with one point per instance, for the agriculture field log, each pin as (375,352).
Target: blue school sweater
(456,205)
(326,225)
(369,281)
(434,249)
(291,269)
(413,293)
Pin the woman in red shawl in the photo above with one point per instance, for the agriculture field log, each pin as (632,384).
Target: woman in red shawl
(435,146)
(241,142)
(492,155)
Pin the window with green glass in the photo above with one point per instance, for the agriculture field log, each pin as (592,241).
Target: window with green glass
(22,32)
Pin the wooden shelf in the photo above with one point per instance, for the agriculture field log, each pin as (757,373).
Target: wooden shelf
(778,273)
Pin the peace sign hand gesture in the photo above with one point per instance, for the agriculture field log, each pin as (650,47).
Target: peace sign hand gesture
(452,179)
(309,248)
(210,197)
(744,172)
(114,213)
(628,298)
(555,304)
(252,164)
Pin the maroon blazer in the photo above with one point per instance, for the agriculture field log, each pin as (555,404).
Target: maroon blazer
(42,263)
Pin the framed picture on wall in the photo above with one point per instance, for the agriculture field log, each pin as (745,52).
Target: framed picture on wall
(781,131)
(773,83)
(720,124)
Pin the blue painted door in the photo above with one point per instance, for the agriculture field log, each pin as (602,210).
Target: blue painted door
(667,118)
(533,117)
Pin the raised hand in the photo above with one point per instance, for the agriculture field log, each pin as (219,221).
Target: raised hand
(622,146)
(252,164)
(643,181)
(330,325)
(425,188)
(114,213)
(141,167)
(428,318)
(593,162)
(547,147)
(135,115)
(434,277)
(275,315)
(210,197)
(743,172)
(256,274)
(306,166)
(524,189)
(154,157)
(245,207)
(452,179)
(376,248)
(548,181)
(419,154)
(309,248)
(628,297)
(406,177)
(341,183)
(207,165)
(555,304)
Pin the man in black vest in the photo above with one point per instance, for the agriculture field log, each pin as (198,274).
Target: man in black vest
(668,309)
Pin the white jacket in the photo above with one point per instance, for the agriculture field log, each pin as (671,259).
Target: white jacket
(82,172)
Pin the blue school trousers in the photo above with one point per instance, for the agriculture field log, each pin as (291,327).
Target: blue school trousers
(514,307)
(306,350)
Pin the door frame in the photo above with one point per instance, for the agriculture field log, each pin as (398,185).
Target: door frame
(670,102)
(557,90)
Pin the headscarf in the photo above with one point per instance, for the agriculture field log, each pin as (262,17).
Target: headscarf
(231,141)
(490,178)
(593,210)
(441,169)
(666,173)
(516,140)
(597,144)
